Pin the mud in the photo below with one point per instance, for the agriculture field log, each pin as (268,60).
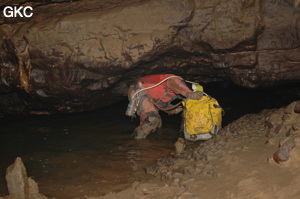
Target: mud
(82,156)
(238,163)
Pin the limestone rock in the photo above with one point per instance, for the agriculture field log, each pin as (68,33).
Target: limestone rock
(19,185)
(82,57)
(179,145)
(297,106)
(17,182)
(282,154)
(286,122)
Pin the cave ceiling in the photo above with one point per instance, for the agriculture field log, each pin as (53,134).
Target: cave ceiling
(79,55)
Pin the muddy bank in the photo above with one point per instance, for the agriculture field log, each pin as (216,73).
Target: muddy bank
(238,163)
(256,156)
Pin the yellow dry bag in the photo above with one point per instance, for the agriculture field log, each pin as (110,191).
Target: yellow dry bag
(200,116)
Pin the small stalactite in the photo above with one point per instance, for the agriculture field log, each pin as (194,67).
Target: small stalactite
(25,67)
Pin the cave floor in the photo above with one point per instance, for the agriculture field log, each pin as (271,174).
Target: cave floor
(236,164)
(80,155)
(88,155)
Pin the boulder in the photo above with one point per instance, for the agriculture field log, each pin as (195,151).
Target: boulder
(17,182)
(19,185)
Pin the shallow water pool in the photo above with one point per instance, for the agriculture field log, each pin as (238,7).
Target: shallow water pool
(84,154)
(91,154)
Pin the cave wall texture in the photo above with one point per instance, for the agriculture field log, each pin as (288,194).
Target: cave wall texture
(80,55)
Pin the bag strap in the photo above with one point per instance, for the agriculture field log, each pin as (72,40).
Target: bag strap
(165,109)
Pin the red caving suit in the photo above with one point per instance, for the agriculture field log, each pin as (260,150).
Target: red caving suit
(153,99)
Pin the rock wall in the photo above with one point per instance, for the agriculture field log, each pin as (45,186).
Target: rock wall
(81,61)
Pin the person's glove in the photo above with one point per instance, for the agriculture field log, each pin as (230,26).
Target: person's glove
(175,110)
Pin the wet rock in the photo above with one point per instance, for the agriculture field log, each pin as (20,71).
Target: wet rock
(187,195)
(297,138)
(189,169)
(208,167)
(84,67)
(166,176)
(289,132)
(221,142)
(283,153)
(169,176)
(178,169)
(19,185)
(33,189)
(286,117)
(189,156)
(297,107)
(178,181)
(152,170)
(17,182)
(213,156)
(288,109)
(269,124)
(272,140)
(279,129)
(286,130)
(296,127)
(179,145)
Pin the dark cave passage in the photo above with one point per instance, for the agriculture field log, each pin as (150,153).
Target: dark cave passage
(238,101)
(65,71)
(73,155)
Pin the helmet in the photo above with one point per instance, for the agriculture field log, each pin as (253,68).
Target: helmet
(197,87)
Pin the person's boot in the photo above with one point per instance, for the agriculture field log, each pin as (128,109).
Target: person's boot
(142,131)
(138,134)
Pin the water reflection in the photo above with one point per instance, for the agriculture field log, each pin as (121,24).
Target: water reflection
(90,154)
(85,154)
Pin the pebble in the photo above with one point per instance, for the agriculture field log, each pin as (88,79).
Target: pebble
(273,124)
(213,174)
(297,107)
(212,156)
(278,129)
(272,140)
(286,117)
(169,176)
(178,182)
(296,127)
(186,195)
(208,168)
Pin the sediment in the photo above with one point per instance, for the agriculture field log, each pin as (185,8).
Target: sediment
(251,158)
